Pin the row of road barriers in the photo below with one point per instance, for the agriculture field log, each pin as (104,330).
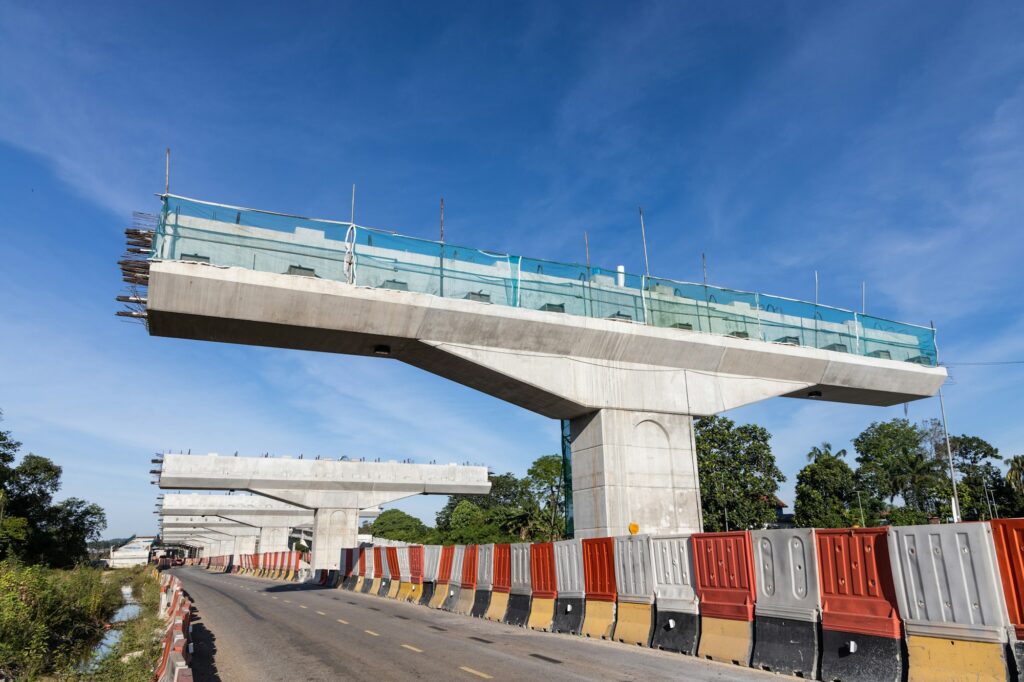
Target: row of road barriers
(176,652)
(289,566)
(930,602)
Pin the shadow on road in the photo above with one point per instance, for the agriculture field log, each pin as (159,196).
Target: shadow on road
(204,652)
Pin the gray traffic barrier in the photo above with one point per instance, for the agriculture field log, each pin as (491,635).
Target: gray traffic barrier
(518,612)
(385,578)
(370,579)
(634,583)
(569,605)
(431,560)
(787,612)
(677,619)
(484,580)
(950,595)
(455,580)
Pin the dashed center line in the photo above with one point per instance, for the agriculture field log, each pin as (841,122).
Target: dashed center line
(372,633)
(475,672)
(287,601)
(302,606)
(343,622)
(410,647)
(273,597)
(321,613)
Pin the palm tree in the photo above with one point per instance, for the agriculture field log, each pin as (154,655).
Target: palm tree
(824,450)
(1015,474)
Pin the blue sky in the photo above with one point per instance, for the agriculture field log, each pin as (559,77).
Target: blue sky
(877,142)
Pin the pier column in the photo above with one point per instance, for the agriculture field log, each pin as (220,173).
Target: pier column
(634,467)
(333,529)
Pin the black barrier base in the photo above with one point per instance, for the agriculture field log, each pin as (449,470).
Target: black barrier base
(1017,649)
(786,645)
(518,612)
(453,596)
(349,583)
(367,584)
(569,612)
(674,631)
(385,585)
(869,659)
(481,601)
(428,592)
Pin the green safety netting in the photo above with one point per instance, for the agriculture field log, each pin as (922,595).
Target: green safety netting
(273,242)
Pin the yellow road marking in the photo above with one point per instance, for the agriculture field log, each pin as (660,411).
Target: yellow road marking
(343,622)
(475,672)
(321,613)
(410,647)
(372,633)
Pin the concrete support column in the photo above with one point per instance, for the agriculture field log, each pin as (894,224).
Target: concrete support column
(333,529)
(634,467)
(243,545)
(273,539)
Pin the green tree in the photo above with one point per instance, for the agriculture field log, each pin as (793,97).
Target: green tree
(506,491)
(980,480)
(738,474)
(33,528)
(826,491)
(1015,474)
(898,459)
(546,484)
(467,524)
(395,524)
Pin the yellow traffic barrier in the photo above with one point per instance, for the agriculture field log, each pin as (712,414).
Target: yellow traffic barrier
(464,605)
(498,606)
(440,594)
(542,613)
(939,659)
(726,641)
(393,589)
(599,620)
(404,590)
(359,585)
(415,592)
(634,622)
(375,586)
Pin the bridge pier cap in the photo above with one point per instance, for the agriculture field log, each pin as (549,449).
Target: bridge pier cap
(629,359)
(334,491)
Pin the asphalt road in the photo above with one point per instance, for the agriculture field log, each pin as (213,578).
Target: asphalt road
(253,629)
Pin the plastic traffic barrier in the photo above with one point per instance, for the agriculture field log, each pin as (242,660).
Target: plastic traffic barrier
(949,594)
(349,568)
(677,623)
(724,572)
(634,584)
(1008,537)
(444,572)
(428,577)
(543,586)
(404,574)
(362,551)
(371,581)
(569,604)
(861,631)
(518,611)
(787,614)
(467,585)
(501,583)
(599,581)
(455,582)
(396,572)
(484,580)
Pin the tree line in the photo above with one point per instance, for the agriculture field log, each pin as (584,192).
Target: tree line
(34,529)
(901,476)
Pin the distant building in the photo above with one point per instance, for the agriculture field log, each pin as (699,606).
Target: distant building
(133,553)
(782,519)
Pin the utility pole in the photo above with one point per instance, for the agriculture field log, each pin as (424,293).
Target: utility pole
(861,506)
(352,218)
(949,449)
(167,171)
